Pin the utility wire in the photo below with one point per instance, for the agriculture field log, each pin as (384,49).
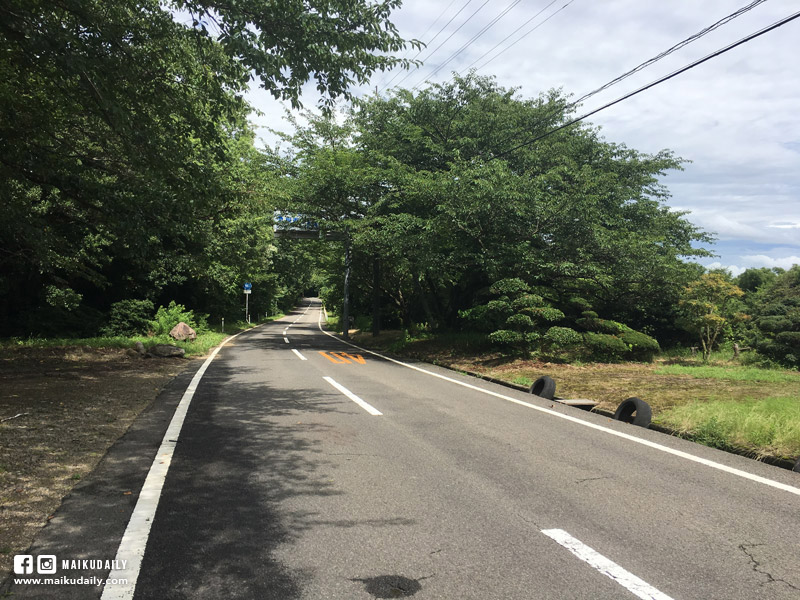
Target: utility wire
(493,48)
(674,48)
(469,43)
(526,34)
(434,37)
(658,81)
(448,37)
(651,61)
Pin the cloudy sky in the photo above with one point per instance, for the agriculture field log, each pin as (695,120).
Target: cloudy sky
(735,117)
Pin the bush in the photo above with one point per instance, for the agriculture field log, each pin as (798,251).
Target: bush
(605,347)
(641,347)
(601,325)
(561,338)
(167,318)
(128,317)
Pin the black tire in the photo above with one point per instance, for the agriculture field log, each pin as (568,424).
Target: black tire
(634,411)
(544,387)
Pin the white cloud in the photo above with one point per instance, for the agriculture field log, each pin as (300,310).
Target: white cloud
(732,269)
(734,116)
(762,260)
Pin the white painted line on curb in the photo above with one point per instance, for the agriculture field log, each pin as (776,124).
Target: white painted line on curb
(625,436)
(638,587)
(367,407)
(286,340)
(300,356)
(134,540)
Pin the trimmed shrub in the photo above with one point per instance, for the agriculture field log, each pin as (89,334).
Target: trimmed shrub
(605,347)
(521,323)
(601,325)
(641,346)
(128,317)
(561,338)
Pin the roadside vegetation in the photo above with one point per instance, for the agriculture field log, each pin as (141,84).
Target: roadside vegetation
(135,197)
(719,402)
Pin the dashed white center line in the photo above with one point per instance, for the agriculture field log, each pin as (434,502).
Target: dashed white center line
(286,340)
(298,354)
(367,407)
(638,587)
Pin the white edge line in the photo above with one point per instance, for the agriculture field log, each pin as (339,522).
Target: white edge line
(632,583)
(298,354)
(703,461)
(367,407)
(131,547)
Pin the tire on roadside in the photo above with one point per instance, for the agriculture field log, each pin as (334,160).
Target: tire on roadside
(544,387)
(634,411)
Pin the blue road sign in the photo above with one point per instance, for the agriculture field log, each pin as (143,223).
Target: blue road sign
(248,286)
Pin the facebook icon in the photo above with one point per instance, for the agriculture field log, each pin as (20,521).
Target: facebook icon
(23,564)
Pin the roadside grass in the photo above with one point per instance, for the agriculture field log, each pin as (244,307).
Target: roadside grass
(732,372)
(764,427)
(723,404)
(200,347)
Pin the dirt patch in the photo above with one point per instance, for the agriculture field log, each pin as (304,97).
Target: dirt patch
(74,403)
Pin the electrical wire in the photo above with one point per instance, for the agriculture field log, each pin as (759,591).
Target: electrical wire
(493,48)
(658,81)
(674,48)
(448,38)
(471,41)
(434,37)
(651,61)
(523,36)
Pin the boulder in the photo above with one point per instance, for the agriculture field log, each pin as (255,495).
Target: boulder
(183,332)
(139,347)
(166,351)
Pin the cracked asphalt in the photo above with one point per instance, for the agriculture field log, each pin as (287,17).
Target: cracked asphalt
(283,487)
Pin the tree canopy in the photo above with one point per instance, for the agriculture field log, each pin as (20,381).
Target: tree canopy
(434,198)
(127,165)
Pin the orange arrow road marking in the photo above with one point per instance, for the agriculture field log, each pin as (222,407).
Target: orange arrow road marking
(354,357)
(335,359)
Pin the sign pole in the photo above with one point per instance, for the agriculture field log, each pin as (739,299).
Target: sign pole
(248,289)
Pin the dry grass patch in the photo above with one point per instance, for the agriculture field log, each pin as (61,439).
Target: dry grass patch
(74,403)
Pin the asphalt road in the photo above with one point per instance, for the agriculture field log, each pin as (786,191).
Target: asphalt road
(307,468)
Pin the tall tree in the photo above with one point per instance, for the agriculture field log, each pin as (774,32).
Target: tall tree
(125,155)
(709,305)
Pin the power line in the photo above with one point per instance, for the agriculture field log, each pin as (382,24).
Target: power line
(523,36)
(434,37)
(493,48)
(656,58)
(448,37)
(469,43)
(658,81)
(674,48)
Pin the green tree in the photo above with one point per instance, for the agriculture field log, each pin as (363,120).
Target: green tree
(127,167)
(572,214)
(709,305)
(776,318)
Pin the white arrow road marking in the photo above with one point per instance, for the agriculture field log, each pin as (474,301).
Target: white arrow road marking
(638,587)
(367,407)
